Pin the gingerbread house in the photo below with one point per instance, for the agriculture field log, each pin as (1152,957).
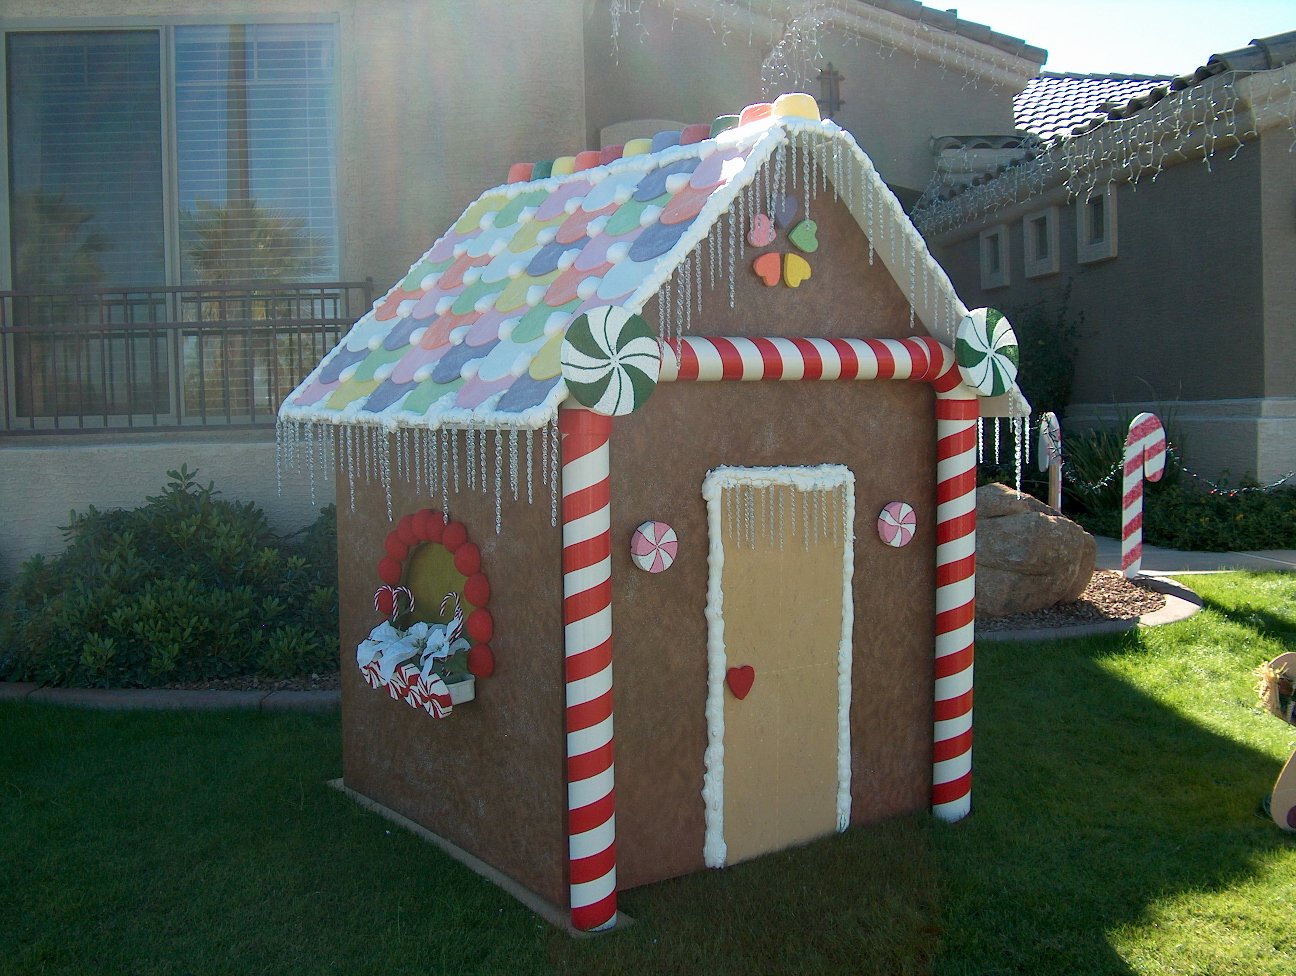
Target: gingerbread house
(704,405)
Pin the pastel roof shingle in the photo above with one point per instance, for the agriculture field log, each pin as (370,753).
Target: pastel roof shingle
(470,336)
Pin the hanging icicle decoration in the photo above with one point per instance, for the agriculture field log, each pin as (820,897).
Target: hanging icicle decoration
(807,183)
(733,245)
(697,284)
(513,461)
(454,457)
(384,451)
(871,211)
(530,466)
(980,440)
(481,455)
(499,476)
(445,462)
(1018,450)
(279,453)
(553,472)
(349,444)
(996,440)
(310,459)
(471,458)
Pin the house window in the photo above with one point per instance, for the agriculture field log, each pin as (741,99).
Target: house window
(1040,237)
(1096,226)
(994,257)
(144,161)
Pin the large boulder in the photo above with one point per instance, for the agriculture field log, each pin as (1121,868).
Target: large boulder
(1028,556)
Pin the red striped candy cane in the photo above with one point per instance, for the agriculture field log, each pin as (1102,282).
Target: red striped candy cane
(1145,450)
(919,359)
(1049,457)
(587,628)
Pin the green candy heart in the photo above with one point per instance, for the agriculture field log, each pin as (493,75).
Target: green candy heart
(805,236)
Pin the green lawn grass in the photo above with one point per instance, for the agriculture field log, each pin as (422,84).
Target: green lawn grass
(1115,831)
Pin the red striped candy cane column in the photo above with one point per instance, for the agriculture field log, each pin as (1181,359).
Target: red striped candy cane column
(924,360)
(1145,449)
(587,629)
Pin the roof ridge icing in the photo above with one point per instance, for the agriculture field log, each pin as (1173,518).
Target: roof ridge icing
(470,336)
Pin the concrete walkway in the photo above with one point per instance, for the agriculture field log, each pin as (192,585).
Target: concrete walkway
(1172,562)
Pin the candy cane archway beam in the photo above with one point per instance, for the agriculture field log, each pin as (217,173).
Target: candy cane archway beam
(587,576)
(922,360)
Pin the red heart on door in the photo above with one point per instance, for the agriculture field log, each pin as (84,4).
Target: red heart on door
(740,680)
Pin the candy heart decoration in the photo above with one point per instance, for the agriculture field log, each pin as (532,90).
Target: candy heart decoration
(762,231)
(805,236)
(740,680)
(796,269)
(786,211)
(768,268)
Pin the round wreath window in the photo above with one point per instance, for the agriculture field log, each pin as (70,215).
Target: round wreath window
(437,628)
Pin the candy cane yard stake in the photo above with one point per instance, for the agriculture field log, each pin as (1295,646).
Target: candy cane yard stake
(587,628)
(1049,457)
(1145,449)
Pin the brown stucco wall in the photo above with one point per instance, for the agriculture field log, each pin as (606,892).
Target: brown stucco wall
(490,777)
(885,433)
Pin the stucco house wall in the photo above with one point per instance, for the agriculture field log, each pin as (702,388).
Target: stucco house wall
(1187,320)
(421,128)
(679,63)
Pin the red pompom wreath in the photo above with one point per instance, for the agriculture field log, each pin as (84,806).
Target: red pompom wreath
(405,529)
(481,661)
(428,524)
(389,571)
(467,559)
(477,590)
(454,536)
(480,626)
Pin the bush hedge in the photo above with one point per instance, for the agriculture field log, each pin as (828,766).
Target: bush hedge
(186,588)
(1179,512)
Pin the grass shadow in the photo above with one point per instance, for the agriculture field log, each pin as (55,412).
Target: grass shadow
(1095,804)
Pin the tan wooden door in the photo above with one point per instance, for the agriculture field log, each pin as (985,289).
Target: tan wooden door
(782,588)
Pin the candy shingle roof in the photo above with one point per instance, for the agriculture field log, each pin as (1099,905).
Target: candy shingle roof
(471,335)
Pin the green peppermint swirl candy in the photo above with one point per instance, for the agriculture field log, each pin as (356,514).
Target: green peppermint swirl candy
(610,360)
(986,352)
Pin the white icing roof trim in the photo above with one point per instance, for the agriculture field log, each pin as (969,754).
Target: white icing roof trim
(870,201)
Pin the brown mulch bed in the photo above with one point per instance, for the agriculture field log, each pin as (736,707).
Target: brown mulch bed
(328,681)
(1109,596)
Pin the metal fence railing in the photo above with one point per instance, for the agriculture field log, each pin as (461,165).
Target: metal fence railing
(166,356)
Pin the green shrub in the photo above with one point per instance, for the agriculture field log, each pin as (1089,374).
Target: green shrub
(187,587)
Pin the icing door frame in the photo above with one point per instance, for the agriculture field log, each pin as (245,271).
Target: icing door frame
(821,478)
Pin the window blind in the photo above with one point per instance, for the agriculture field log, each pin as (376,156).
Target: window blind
(85,158)
(255,152)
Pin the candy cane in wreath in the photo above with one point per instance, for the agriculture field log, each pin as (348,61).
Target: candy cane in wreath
(1145,451)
